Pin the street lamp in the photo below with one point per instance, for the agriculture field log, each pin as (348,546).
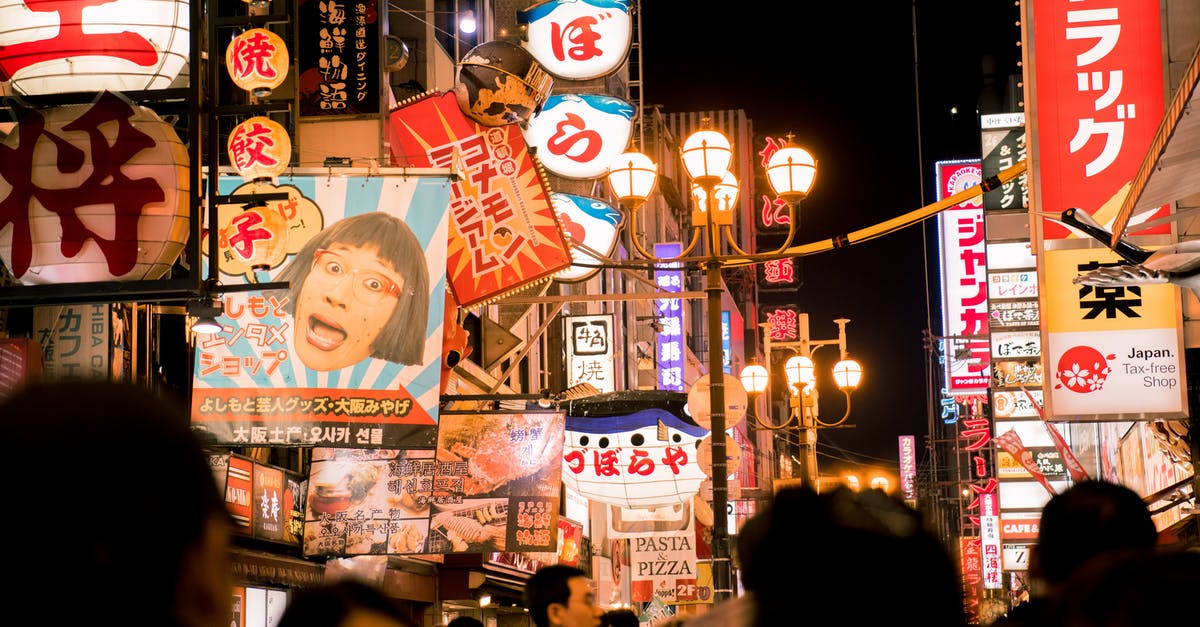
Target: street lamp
(800,373)
(706,155)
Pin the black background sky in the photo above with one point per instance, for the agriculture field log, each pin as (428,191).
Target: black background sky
(847,79)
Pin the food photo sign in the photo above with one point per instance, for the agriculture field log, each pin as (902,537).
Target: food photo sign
(491,485)
(350,354)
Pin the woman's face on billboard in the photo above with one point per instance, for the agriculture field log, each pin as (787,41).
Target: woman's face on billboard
(343,305)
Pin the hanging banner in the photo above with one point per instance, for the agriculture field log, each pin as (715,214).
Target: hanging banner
(350,354)
(338,57)
(504,233)
(491,485)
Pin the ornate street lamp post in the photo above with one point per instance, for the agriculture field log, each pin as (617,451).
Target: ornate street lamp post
(707,155)
(800,373)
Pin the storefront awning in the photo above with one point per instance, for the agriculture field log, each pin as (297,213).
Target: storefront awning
(1171,169)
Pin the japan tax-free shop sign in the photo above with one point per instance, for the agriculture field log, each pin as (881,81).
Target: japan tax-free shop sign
(349,355)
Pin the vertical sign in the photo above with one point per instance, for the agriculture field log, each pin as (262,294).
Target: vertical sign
(1003,140)
(989,540)
(670,344)
(1098,81)
(908,469)
(663,563)
(590,351)
(75,339)
(964,281)
(726,348)
(338,55)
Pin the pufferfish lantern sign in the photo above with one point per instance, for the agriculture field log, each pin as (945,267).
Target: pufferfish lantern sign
(647,458)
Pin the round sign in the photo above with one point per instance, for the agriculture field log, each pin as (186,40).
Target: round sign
(733,456)
(700,405)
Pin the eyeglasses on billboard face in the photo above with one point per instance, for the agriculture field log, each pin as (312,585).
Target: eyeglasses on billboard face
(368,286)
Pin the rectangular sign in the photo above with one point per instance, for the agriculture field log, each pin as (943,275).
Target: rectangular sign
(1098,87)
(350,354)
(964,278)
(670,342)
(1005,314)
(1113,350)
(662,563)
(1016,344)
(76,340)
(590,351)
(1003,144)
(492,485)
(338,57)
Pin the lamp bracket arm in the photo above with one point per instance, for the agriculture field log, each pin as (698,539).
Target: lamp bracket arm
(838,423)
(733,242)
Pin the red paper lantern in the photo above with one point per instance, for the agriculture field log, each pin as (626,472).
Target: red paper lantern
(79,46)
(93,192)
(260,148)
(257,61)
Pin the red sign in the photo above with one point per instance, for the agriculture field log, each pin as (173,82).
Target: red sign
(504,232)
(1099,87)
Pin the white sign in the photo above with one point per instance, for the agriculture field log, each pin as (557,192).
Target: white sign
(964,280)
(590,351)
(578,39)
(578,136)
(662,560)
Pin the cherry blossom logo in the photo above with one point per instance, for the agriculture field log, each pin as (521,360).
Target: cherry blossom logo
(1083,369)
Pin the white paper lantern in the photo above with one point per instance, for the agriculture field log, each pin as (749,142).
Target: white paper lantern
(106,200)
(124,45)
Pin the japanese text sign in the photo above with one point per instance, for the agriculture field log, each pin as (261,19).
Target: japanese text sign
(504,233)
(578,136)
(1098,82)
(92,45)
(491,485)
(578,39)
(590,351)
(338,57)
(670,342)
(964,280)
(647,458)
(350,354)
(1110,350)
(108,203)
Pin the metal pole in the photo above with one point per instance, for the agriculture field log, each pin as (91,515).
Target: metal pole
(721,567)
(807,422)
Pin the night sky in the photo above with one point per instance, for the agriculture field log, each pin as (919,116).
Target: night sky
(851,98)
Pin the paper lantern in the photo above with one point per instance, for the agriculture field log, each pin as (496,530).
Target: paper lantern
(260,148)
(500,83)
(257,61)
(257,237)
(646,458)
(93,192)
(84,46)
(577,136)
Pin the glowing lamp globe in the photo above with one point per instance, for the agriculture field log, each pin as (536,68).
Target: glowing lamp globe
(256,237)
(103,194)
(847,373)
(62,47)
(259,149)
(257,61)
(791,171)
(706,156)
(500,83)
(799,370)
(631,176)
(754,378)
